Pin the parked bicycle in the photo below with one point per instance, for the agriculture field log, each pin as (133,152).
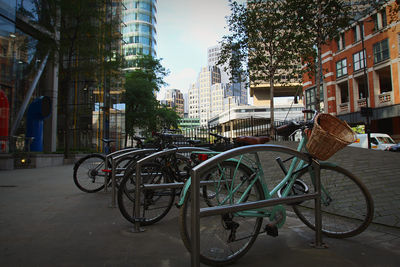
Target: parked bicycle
(155,203)
(89,175)
(172,167)
(90,172)
(346,210)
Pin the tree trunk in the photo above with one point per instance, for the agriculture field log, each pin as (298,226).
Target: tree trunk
(319,67)
(318,80)
(271,85)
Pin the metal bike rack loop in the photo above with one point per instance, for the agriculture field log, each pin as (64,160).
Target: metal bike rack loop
(149,158)
(195,201)
(113,158)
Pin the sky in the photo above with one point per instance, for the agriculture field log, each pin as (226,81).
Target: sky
(185,29)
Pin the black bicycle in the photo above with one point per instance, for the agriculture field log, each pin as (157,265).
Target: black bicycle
(156,203)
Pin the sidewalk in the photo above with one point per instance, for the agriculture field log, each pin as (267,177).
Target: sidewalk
(46,221)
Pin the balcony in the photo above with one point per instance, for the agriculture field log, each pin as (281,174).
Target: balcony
(361,103)
(344,108)
(385,99)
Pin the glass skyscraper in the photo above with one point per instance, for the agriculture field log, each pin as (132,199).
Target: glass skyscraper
(139,30)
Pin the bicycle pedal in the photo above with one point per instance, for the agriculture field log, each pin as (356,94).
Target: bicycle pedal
(271,230)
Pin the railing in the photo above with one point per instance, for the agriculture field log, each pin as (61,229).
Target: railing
(344,108)
(385,98)
(361,103)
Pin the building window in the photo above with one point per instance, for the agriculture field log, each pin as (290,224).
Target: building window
(310,98)
(344,92)
(380,20)
(381,51)
(362,87)
(385,81)
(359,60)
(383,18)
(341,43)
(341,68)
(357,33)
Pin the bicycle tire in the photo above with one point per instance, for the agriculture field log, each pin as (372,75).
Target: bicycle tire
(88,175)
(155,204)
(216,244)
(122,165)
(347,207)
(182,168)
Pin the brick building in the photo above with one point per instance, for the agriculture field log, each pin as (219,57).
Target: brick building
(344,90)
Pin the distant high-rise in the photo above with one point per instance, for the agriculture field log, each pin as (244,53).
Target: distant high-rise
(139,30)
(203,94)
(174,99)
(238,89)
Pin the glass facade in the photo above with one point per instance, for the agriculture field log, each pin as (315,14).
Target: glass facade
(20,58)
(26,73)
(139,31)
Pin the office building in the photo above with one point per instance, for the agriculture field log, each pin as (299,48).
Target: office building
(361,69)
(139,30)
(174,99)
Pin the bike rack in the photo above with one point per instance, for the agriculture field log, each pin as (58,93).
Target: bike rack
(113,158)
(138,181)
(195,202)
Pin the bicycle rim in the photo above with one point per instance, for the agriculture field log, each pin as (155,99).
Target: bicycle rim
(346,205)
(88,175)
(227,237)
(154,204)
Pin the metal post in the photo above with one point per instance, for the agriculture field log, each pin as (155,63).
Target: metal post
(113,182)
(195,223)
(28,95)
(136,226)
(366,84)
(317,201)
(105,174)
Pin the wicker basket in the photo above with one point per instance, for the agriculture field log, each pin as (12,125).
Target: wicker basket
(328,136)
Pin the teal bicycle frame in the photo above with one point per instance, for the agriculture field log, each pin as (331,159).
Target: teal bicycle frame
(291,174)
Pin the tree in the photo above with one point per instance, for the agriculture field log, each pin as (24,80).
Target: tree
(262,44)
(166,118)
(86,31)
(323,23)
(142,107)
(316,26)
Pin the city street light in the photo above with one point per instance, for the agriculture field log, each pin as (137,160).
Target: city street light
(367,109)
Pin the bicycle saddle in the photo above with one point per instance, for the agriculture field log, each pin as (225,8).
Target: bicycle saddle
(252,140)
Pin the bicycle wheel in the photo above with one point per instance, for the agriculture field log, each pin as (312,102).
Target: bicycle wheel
(226,237)
(155,203)
(215,194)
(181,168)
(88,175)
(122,165)
(346,205)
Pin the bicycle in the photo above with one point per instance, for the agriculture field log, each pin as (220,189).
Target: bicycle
(171,167)
(89,172)
(165,169)
(347,206)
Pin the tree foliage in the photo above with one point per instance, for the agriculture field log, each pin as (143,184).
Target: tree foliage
(142,108)
(271,36)
(84,45)
(263,44)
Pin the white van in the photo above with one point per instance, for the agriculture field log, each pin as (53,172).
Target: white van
(379,141)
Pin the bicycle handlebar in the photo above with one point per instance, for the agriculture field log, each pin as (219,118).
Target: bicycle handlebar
(291,126)
(219,137)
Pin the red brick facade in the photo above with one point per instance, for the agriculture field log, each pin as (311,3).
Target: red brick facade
(344,79)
